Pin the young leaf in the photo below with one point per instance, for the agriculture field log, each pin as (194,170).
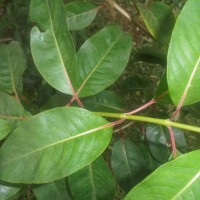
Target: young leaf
(126,161)
(5,128)
(56,190)
(80,14)
(183,70)
(159,20)
(178,179)
(52,47)
(59,142)
(101,60)
(159,142)
(8,190)
(95,182)
(12,66)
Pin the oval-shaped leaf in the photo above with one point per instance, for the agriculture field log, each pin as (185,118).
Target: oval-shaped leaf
(8,190)
(101,60)
(56,190)
(5,128)
(126,161)
(183,70)
(52,145)
(159,141)
(12,66)
(159,20)
(95,181)
(178,179)
(80,14)
(52,47)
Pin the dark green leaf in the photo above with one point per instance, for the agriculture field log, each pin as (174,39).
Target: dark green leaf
(95,181)
(159,141)
(12,66)
(53,144)
(80,14)
(101,60)
(178,179)
(52,47)
(183,60)
(105,101)
(56,190)
(126,161)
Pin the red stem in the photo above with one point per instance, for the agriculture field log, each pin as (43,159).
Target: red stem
(172,141)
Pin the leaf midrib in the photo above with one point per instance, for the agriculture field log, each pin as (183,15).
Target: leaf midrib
(59,142)
(59,51)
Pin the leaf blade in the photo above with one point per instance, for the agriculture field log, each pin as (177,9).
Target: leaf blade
(59,138)
(184,57)
(55,42)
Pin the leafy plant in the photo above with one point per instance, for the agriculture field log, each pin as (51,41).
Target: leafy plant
(66,148)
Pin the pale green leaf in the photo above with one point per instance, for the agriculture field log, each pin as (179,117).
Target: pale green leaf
(12,66)
(5,128)
(80,14)
(178,179)
(52,145)
(159,19)
(8,190)
(101,60)
(95,181)
(183,70)
(52,47)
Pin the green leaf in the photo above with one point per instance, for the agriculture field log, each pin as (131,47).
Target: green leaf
(101,60)
(95,181)
(12,66)
(178,179)
(159,19)
(5,128)
(126,161)
(183,70)
(8,190)
(56,190)
(105,101)
(52,47)
(59,142)
(80,14)
(159,141)
(10,109)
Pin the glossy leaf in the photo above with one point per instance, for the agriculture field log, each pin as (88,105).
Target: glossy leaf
(159,19)
(95,181)
(159,141)
(58,143)
(101,60)
(178,179)
(126,161)
(80,14)
(8,190)
(12,66)
(5,128)
(52,47)
(183,70)
(56,190)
